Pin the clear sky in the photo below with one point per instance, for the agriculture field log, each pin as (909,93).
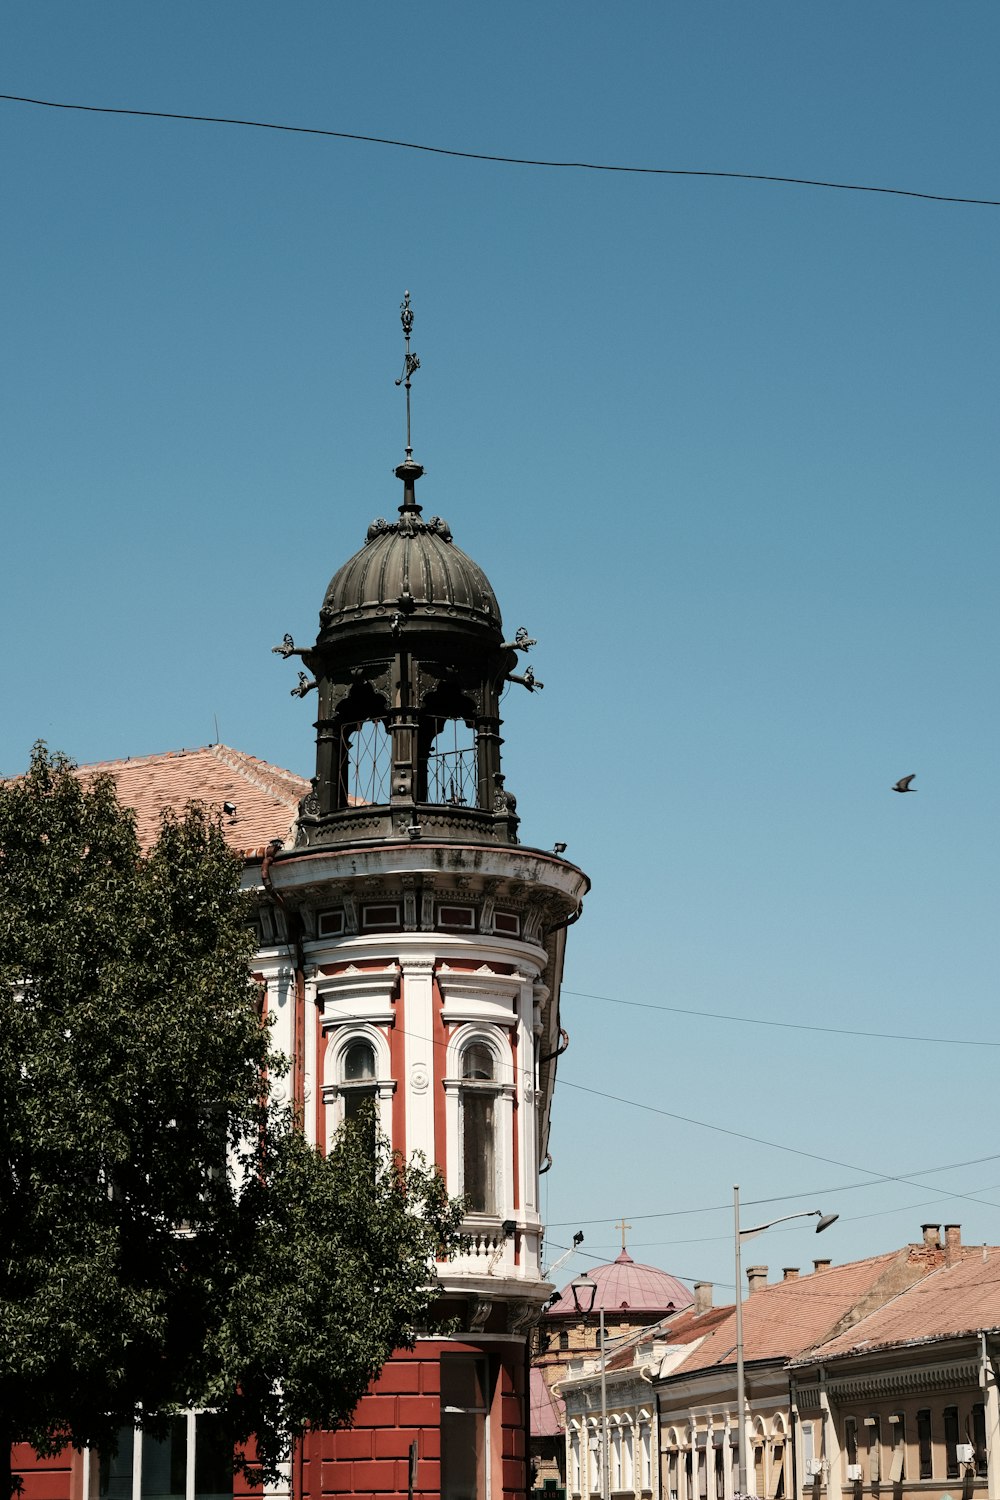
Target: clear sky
(728,449)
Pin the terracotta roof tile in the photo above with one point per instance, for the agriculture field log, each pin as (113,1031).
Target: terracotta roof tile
(266,797)
(781,1320)
(547,1411)
(955,1299)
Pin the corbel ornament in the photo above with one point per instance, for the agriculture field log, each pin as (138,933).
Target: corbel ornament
(956,1375)
(479,1309)
(522,1316)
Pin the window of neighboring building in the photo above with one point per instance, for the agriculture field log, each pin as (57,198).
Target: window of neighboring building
(778,1470)
(465,1447)
(508,923)
(979,1436)
(951,1442)
(925,1446)
(462,917)
(898,1469)
(144,1467)
(479,1126)
(851,1439)
(808,1447)
(702,1473)
(873,1428)
(616,1458)
(563,1341)
(673,1464)
(644,1454)
(379,916)
(574,1459)
(628,1456)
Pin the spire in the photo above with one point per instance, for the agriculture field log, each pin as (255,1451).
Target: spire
(408,471)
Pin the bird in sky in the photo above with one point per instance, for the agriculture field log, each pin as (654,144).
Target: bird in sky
(903,784)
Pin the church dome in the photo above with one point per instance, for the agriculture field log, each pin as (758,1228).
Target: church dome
(626,1287)
(412,566)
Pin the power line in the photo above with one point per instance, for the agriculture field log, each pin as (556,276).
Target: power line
(513,161)
(759,1141)
(713,1015)
(848,1187)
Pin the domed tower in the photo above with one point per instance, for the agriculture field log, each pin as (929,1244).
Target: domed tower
(417,960)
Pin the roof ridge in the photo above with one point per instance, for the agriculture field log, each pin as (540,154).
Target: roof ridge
(260,773)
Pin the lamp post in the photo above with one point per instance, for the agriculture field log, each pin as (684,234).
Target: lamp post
(739,1235)
(584,1289)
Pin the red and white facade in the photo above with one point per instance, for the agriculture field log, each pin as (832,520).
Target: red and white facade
(411,951)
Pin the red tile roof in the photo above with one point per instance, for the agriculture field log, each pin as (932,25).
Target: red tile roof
(266,797)
(547,1412)
(956,1299)
(781,1320)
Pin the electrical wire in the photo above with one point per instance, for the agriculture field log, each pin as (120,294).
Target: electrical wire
(515,161)
(759,1141)
(713,1015)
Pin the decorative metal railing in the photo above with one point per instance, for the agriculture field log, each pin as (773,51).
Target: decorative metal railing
(369,762)
(452,777)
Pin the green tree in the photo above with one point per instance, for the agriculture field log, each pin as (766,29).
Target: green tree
(167,1236)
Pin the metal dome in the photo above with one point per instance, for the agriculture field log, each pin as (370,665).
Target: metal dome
(412,566)
(625,1286)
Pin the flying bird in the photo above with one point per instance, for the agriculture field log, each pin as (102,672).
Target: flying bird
(903,784)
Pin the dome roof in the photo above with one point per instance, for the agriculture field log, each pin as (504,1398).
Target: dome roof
(626,1286)
(413,566)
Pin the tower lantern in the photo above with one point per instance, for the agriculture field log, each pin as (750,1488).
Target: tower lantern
(423,946)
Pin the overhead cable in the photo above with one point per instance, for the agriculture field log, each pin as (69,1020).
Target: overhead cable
(514,161)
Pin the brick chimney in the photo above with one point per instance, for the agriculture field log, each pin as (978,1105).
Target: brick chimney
(952,1240)
(932,1235)
(702,1296)
(822,1265)
(757,1277)
(789,1273)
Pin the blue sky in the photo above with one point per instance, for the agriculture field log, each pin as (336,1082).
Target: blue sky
(728,449)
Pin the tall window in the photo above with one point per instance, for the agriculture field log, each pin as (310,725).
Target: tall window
(479,1125)
(873,1426)
(646,1457)
(359,1075)
(574,1460)
(465,1445)
(898,1430)
(979,1436)
(193,1460)
(924,1444)
(951,1441)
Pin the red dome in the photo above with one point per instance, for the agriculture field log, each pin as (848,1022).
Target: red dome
(627,1287)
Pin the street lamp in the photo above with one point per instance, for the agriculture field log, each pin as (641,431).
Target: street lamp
(584,1289)
(739,1235)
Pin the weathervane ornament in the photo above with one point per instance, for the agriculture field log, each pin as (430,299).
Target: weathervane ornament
(410,364)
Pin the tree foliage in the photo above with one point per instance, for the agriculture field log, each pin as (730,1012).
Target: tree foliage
(167,1236)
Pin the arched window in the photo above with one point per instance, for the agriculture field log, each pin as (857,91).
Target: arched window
(357,1072)
(358,1082)
(479,1128)
(563,1342)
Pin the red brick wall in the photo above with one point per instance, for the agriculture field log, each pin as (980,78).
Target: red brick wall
(372,1457)
(58,1478)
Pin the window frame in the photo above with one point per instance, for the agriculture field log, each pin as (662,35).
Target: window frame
(337,1088)
(501,1088)
(91,1488)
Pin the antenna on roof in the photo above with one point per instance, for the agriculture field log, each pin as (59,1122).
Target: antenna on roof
(215,721)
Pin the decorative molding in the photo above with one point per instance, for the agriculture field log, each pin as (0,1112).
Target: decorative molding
(358,995)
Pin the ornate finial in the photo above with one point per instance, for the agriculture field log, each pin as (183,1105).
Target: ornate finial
(622,1226)
(410,364)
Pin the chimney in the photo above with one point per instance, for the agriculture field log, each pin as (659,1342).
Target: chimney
(821,1265)
(789,1273)
(757,1277)
(952,1238)
(932,1235)
(702,1296)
